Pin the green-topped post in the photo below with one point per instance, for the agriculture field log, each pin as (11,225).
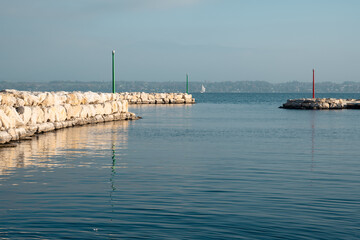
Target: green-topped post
(113,71)
(187,83)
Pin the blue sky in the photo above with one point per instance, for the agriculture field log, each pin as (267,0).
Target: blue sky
(161,40)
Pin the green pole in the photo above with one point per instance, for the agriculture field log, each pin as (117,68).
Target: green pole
(187,83)
(113,71)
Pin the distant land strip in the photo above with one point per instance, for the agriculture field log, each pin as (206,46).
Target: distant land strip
(194,87)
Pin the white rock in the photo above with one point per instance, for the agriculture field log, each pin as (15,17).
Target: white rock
(72,99)
(46,127)
(119,103)
(26,115)
(85,112)
(40,115)
(41,97)
(107,108)
(92,111)
(57,100)
(187,96)
(99,109)
(60,113)
(49,100)
(102,97)
(72,111)
(51,114)
(114,107)
(4,137)
(34,115)
(125,105)
(14,116)
(13,134)
(8,99)
(6,122)
(20,132)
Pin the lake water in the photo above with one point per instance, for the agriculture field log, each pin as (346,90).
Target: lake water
(232,166)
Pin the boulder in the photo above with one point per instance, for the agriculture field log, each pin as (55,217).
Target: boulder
(72,99)
(125,106)
(60,113)
(72,111)
(4,137)
(58,125)
(102,97)
(21,132)
(40,115)
(187,96)
(46,127)
(144,97)
(51,114)
(189,100)
(6,122)
(8,99)
(92,111)
(99,109)
(14,135)
(48,101)
(14,116)
(114,106)
(25,114)
(35,111)
(107,108)
(84,113)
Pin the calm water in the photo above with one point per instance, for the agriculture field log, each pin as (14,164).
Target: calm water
(231,166)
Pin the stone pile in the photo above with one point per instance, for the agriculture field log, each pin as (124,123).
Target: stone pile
(321,103)
(157,98)
(22,114)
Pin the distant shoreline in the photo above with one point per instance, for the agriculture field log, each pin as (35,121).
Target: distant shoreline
(178,87)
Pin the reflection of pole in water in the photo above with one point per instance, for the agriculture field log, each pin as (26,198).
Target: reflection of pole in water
(312,138)
(121,140)
(113,173)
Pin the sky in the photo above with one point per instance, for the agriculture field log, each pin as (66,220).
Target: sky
(162,40)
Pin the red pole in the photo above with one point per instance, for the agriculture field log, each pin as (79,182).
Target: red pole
(313,83)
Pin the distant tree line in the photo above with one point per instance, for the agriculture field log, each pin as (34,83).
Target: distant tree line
(220,87)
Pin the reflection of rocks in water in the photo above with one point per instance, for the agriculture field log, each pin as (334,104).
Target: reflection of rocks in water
(39,152)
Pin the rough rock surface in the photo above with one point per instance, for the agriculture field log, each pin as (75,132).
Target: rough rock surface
(157,98)
(23,113)
(321,104)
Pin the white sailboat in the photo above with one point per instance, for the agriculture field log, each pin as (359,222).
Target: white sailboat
(203,89)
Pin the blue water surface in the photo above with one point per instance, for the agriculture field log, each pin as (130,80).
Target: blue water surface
(232,166)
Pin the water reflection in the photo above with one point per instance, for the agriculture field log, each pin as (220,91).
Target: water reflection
(112,176)
(69,143)
(312,139)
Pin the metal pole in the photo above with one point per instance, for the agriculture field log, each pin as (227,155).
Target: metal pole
(313,83)
(187,83)
(113,71)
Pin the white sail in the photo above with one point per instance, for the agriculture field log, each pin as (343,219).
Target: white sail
(203,89)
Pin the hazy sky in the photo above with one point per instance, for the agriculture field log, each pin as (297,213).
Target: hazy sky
(161,40)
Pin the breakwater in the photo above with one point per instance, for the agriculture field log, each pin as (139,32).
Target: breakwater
(321,104)
(23,114)
(157,98)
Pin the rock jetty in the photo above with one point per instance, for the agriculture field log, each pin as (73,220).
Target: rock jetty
(322,104)
(157,98)
(23,114)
